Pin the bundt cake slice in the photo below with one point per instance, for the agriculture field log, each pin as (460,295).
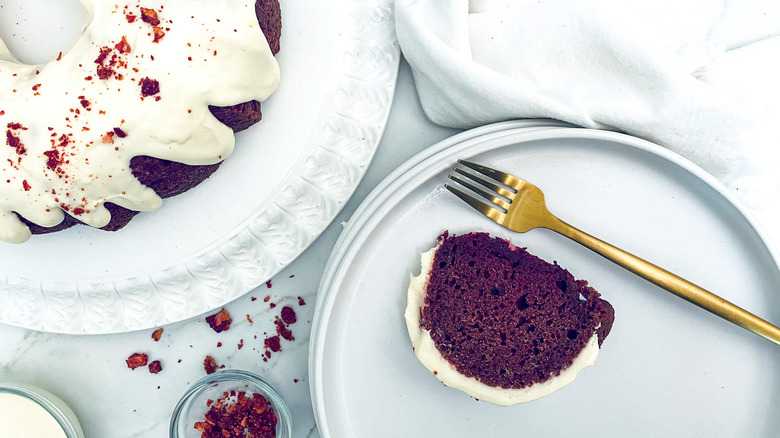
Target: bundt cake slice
(501,324)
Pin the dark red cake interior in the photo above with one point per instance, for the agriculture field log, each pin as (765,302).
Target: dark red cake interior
(506,317)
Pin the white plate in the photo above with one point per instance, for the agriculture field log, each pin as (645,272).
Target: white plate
(667,369)
(288,178)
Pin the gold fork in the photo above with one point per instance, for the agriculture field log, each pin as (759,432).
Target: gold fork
(519,206)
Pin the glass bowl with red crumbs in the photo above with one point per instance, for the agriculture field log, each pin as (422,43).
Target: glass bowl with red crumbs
(231,403)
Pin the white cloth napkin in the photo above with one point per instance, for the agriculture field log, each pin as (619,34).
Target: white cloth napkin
(700,77)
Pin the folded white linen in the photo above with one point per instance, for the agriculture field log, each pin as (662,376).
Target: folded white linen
(700,77)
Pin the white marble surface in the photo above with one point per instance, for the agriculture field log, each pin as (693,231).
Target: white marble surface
(89,372)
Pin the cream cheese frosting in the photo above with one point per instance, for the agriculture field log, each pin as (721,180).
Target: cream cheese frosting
(138,81)
(427,353)
(22,417)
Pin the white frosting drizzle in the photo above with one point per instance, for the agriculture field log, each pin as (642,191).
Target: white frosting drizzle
(70,135)
(428,354)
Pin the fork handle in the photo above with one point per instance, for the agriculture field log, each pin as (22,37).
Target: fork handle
(671,282)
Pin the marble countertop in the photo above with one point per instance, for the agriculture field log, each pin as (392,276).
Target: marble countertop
(89,372)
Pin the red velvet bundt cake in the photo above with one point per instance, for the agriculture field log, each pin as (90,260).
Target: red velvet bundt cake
(143,106)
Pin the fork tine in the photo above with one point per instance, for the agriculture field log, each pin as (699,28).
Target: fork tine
(478,205)
(508,194)
(505,178)
(490,197)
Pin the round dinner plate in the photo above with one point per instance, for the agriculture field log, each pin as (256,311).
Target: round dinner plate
(667,369)
(285,182)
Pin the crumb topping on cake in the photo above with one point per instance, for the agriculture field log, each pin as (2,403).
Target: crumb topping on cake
(138,82)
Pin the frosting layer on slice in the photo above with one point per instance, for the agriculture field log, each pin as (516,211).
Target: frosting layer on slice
(502,340)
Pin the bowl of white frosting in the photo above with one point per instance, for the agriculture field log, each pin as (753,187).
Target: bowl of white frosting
(27,411)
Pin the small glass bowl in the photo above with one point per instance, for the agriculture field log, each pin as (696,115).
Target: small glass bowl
(50,403)
(193,404)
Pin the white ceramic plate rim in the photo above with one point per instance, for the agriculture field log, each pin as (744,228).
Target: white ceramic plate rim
(435,160)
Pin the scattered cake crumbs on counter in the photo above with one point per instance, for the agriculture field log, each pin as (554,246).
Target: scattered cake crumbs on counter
(266,343)
(272,343)
(137,360)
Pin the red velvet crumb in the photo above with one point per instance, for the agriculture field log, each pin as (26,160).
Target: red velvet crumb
(238,414)
(219,321)
(288,315)
(149,16)
(210,365)
(272,343)
(149,87)
(137,360)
